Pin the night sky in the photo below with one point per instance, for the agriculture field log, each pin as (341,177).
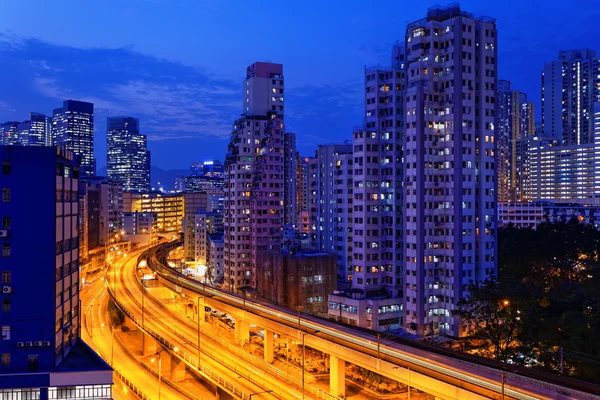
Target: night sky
(178,65)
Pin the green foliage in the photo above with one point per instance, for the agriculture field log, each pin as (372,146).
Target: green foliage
(492,321)
(115,314)
(552,276)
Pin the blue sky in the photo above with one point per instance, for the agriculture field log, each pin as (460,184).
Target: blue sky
(178,64)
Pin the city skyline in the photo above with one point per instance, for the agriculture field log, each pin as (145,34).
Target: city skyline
(389,208)
(188,101)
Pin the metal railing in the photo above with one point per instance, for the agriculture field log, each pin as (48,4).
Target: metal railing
(174,385)
(270,369)
(215,377)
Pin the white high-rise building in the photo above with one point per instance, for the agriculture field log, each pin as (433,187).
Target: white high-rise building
(253,215)
(570,86)
(449,145)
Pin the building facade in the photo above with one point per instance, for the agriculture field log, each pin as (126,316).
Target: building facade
(298,279)
(167,207)
(514,122)
(449,143)
(140,228)
(36,131)
(9,133)
(570,87)
(253,218)
(197,230)
(531,214)
(41,320)
(290,160)
(302,216)
(127,158)
(73,129)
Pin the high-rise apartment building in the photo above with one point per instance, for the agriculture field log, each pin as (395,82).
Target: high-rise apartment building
(302,216)
(289,178)
(128,159)
(564,173)
(73,129)
(449,143)
(253,218)
(514,121)
(570,86)
(42,356)
(377,183)
(330,206)
(197,229)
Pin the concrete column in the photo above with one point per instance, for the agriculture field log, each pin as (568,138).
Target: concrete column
(337,376)
(268,346)
(149,345)
(177,369)
(242,332)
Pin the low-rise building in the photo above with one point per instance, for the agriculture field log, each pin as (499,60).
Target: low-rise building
(297,279)
(529,215)
(140,228)
(167,207)
(215,257)
(356,310)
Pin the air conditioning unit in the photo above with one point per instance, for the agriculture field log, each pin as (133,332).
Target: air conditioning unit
(28,344)
(46,344)
(20,344)
(6,289)
(38,343)
(3,234)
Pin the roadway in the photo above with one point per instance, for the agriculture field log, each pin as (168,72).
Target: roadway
(97,333)
(237,372)
(448,377)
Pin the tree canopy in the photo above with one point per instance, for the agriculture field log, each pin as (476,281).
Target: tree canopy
(550,279)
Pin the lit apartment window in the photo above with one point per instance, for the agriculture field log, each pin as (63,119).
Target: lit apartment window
(5,332)
(6,277)
(5,359)
(5,195)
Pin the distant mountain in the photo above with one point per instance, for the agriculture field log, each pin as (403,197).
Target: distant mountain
(166,177)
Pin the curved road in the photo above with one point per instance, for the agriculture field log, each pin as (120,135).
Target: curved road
(246,378)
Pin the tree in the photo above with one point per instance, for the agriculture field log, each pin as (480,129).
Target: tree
(553,273)
(490,317)
(115,314)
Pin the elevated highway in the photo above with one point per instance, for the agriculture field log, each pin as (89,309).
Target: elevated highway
(445,374)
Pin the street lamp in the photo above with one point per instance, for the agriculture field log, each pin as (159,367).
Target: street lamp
(159,369)
(303,351)
(254,394)
(408,371)
(198,318)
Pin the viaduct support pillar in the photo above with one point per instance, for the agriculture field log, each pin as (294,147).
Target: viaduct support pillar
(337,376)
(242,332)
(268,346)
(177,369)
